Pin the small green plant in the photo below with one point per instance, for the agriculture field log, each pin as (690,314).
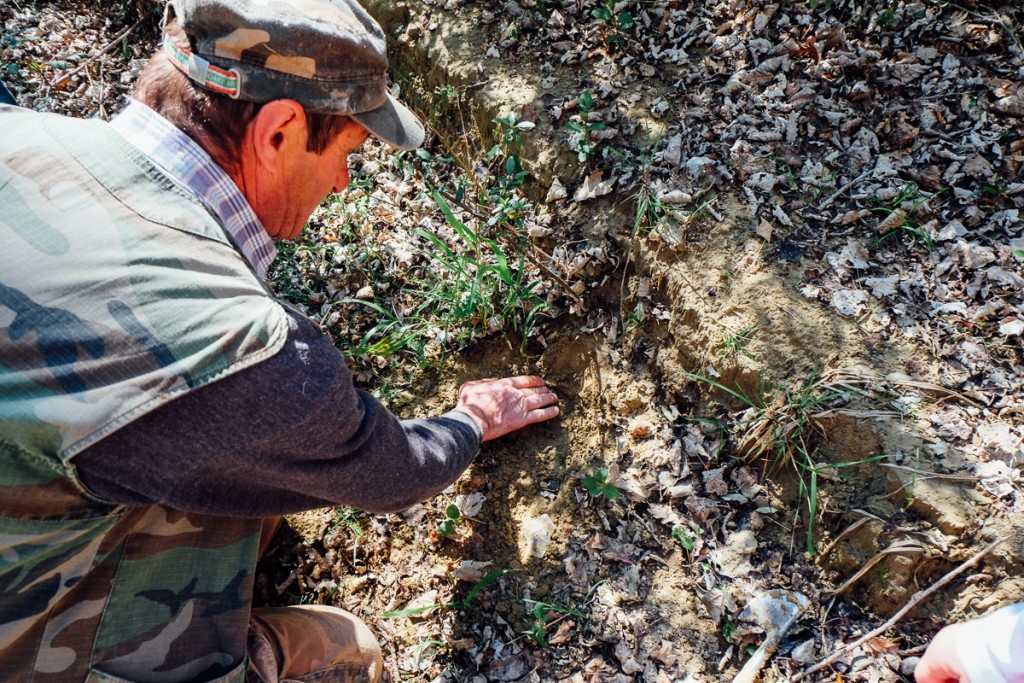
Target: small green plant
(648,210)
(452,517)
(462,604)
(685,537)
(543,614)
(735,343)
(1019,253)
(898,213)
(780,428)
(477,292)
(825,184)
(391,334)
(581,127)
(728,627)
(349,518)
(446,96)
(421,651)
(613,26)
(597,485)
(997,190)
(887,17)
(301,271)
(504,198)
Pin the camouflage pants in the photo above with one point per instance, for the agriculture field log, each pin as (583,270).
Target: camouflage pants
(311,643)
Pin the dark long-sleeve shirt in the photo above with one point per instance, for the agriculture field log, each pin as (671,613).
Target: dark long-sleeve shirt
(289,434)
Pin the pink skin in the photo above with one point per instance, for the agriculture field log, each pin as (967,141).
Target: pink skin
(284,183)
(501,406)
(940,663)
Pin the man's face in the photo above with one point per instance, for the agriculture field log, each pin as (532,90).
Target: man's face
(311,177)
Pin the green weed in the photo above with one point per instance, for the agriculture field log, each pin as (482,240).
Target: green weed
(686,537)
(507,151)
(780,428)
(543,614)
(452,517)
(811,197)
(350,518)
(735,343)
(597,485)
(390,335)
(479,291)
(446,96)
(461,605)
(613,25)
(649,211)
(301,271)
(898,214)
(581,127)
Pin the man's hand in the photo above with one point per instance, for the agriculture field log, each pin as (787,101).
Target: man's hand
(504,405)
(940,663)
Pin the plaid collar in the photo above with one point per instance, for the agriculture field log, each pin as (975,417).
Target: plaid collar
(190,166)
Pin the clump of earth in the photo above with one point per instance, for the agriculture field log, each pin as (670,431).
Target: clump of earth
(823,309)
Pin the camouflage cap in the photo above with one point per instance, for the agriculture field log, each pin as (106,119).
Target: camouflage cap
(328,55)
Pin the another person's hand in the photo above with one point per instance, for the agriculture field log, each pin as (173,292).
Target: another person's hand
(504,405)
(940,663)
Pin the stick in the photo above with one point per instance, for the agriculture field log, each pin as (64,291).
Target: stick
(835,195)
(60,80)
(917,597)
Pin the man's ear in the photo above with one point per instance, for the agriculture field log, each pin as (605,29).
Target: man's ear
(278,127)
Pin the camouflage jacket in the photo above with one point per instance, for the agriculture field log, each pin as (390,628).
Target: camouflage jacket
(118,293)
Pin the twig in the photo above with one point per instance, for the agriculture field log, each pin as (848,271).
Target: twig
(902,546)
(835,195)
(913,602)
(60,80)
(932,475)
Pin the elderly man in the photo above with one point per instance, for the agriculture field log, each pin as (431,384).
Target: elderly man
(157,404)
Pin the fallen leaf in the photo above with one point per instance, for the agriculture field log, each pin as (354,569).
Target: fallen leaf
(849,302)
(1011,326)
(593,186)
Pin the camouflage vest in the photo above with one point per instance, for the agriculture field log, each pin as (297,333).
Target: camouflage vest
(118,293)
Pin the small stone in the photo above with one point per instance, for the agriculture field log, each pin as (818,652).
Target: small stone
(804,652)
(909,665)
(641,428)
(675,197)
(536,535)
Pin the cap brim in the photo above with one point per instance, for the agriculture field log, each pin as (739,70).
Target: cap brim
(394,123)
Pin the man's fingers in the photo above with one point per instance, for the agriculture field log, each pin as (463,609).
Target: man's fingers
(477,382)
(541,414)
(524,381)
(534,401)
